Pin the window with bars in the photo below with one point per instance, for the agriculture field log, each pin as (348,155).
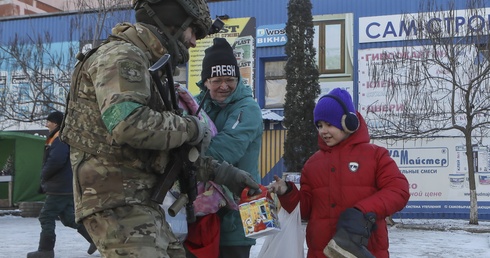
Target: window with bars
(275,84)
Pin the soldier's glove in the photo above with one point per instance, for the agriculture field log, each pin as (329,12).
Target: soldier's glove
(225,174)
(235,179)
(203,135)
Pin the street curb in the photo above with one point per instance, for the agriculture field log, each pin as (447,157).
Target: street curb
(436,227)
(11,212)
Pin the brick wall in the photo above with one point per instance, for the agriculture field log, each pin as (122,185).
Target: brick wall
(9,10)
(27,7)
(46,7)
(27,2)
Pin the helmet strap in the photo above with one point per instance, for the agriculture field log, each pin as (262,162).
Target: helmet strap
(174,50)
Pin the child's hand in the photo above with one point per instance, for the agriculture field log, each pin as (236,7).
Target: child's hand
(279,187)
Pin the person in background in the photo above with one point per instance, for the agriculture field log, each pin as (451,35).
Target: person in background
(348,187)
(121,130)
(238,120)
(57,184)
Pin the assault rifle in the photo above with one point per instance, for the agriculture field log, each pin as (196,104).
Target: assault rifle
(181,165)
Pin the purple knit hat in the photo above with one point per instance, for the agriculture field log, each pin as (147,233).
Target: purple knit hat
(328,109)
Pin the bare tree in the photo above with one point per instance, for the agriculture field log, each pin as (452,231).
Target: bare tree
(438,81)
(103,14)
(40,69)
(37,81)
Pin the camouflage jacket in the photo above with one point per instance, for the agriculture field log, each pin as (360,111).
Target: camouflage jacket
(116,123)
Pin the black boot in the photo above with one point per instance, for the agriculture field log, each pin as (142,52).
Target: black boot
(92,248)
(45,249)
(351,238)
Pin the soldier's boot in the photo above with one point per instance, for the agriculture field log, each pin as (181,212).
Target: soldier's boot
(352,235)
(45,249)
(92,248)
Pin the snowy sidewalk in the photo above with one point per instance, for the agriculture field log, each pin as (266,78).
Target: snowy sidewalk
(446,238)
(430,239)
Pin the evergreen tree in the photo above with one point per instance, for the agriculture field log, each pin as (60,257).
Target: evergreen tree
(302,86)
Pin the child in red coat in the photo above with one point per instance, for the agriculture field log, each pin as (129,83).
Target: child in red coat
(348,186)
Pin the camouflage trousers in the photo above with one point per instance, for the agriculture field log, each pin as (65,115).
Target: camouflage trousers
(133,231)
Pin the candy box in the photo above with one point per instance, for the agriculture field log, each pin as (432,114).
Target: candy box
(258,214)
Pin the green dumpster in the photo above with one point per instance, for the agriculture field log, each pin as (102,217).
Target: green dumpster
(21,157)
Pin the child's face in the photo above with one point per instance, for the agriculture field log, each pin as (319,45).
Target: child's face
(330,134)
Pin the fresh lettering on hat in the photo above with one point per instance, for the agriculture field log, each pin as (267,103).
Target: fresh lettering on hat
(219,60)
(223,70)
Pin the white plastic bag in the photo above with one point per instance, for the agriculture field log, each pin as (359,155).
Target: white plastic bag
(289,242)
(177,223)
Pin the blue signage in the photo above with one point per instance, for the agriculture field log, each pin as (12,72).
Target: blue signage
(271,35)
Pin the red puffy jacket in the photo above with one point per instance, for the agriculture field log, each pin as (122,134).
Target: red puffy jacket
(353,173)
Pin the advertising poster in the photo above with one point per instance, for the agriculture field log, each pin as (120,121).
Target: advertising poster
(405,26)
(435,83)
(271,35)
(436,168)
(240,33)
(437,172)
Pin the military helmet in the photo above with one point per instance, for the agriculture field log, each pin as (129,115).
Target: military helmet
(197,9)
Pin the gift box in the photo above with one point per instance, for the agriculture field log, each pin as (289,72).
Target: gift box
(258,214)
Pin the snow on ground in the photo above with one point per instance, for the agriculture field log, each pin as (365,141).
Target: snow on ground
(408,238)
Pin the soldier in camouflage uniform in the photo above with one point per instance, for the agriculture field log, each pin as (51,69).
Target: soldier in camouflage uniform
(120,132)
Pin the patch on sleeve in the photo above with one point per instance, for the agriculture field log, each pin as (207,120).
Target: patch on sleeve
(130,70)
(117,113)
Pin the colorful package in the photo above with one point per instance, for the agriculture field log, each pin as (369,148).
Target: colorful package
(258,214)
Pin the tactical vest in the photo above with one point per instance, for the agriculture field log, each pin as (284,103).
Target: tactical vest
(82,126)
(80,118)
